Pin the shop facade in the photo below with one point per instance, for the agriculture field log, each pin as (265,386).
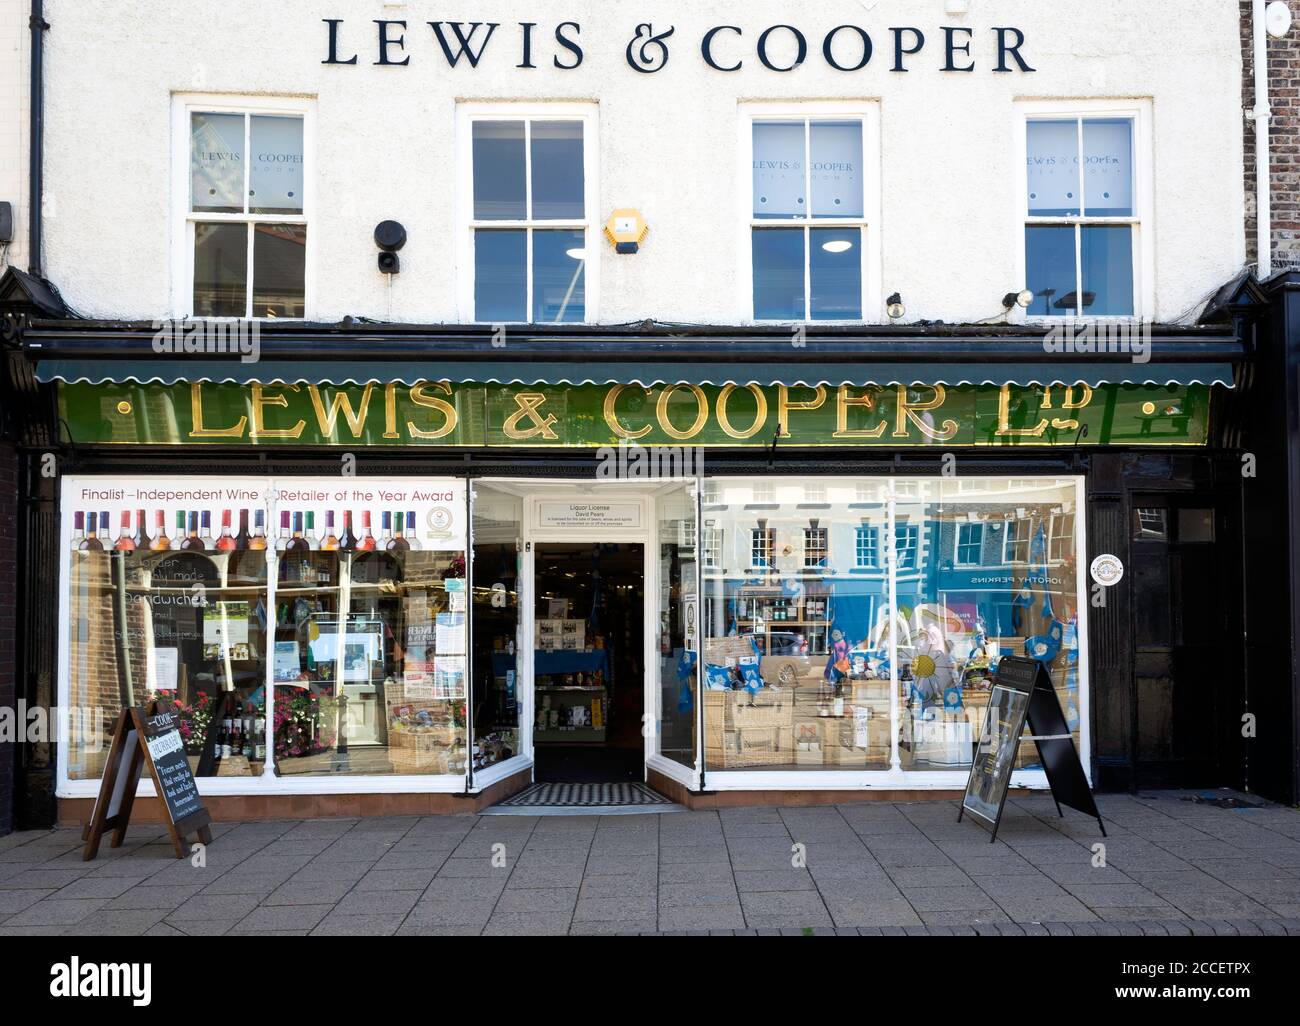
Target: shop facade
(500,447)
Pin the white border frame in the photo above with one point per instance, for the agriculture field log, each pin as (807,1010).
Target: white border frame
(1143,219)
(181,242)
(467,112)
(868,111)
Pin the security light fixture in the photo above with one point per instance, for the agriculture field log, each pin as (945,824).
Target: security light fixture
(390,236)
(894,307)
(1021,299)
(1277,19)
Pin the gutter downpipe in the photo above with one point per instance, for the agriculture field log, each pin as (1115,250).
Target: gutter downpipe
(36,104)
(1261,115)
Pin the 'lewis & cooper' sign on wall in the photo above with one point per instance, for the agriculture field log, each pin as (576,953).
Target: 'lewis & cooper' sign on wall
(650,47)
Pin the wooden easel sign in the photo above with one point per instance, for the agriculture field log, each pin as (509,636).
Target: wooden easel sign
(147,737)
(1023,693)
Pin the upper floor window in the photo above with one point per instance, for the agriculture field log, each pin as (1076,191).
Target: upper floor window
(907,542)
(816,547)
(811,195)
(245,211)
(970,540)
(865,547)
(762,543)
(1085,212)
(530,184)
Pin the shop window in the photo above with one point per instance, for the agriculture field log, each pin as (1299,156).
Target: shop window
(530,207)
(246,214)
(799,675)
(1084,227)
(970,541)
(808,227)
(866,542)
(359,612)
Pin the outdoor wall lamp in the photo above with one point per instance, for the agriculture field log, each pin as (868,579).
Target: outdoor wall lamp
(894,307)
(390,236)
(1021,299)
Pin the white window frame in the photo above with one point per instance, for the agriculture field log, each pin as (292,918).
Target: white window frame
(1009,544)
(711,547)
(768,547)
(957,544)
(868,112)
(872,550)
(184,218)
(1139,112)
(466,225)
(911,536)
(822,561)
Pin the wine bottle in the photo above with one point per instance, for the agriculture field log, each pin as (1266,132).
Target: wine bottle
(141,536)
(91,542)
(192,542)
(282,542)
(205,532)
(309,531)
(242,538)
(398,543)
(347,540)
(125,543)
(412,535)
(258,540)
(78,529)
(386,530)
(298,543)
(329,541)
(226,543)
(180,529)
(367,542)
(227,729)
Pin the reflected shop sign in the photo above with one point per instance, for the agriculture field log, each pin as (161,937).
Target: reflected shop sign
(433,413)
(648,47)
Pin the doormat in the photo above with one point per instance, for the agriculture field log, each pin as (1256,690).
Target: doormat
(568,798)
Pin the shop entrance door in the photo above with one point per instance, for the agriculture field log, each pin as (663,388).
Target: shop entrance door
(1187,688)
(589,661)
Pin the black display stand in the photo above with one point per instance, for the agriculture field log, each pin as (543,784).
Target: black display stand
(1023,693)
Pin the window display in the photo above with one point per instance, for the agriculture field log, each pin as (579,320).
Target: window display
(349,657)
(820,654)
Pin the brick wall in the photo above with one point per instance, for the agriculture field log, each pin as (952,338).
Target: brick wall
(1284,83)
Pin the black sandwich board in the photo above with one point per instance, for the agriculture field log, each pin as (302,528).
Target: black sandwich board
(147,737)
(1023,693)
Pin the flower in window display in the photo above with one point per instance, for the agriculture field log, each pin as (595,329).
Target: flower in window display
(932,671)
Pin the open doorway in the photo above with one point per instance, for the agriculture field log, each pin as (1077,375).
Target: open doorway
(588,662)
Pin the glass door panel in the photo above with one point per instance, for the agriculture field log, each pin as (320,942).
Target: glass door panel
(675,711)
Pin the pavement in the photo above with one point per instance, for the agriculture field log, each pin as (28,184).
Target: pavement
(1169,866)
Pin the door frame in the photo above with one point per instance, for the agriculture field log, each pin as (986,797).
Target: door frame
(533,491)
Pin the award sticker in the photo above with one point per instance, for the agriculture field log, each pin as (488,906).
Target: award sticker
(1107,570)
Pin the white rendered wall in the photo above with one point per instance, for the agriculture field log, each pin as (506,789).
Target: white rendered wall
(15,46)
(951,229)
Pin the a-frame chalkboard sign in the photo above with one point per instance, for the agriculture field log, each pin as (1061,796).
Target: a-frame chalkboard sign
(147,737)
(1023,693)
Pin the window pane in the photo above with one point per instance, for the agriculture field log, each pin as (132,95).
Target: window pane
(779,170)
(1049,270)
(837,169)
(496,609)
(499,171)
(500,276)
(279,269)
(220,270)
(1053,168)
(275,175)
(137,633)
(370,636)
(559,293)
(836,269)
(1108,167)
(679,639)
(778,274)
(965,606)
(1107,254)
(217,163)
(557,169)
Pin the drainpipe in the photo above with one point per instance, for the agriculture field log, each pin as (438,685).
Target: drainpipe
(36,102)
(1261,116)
